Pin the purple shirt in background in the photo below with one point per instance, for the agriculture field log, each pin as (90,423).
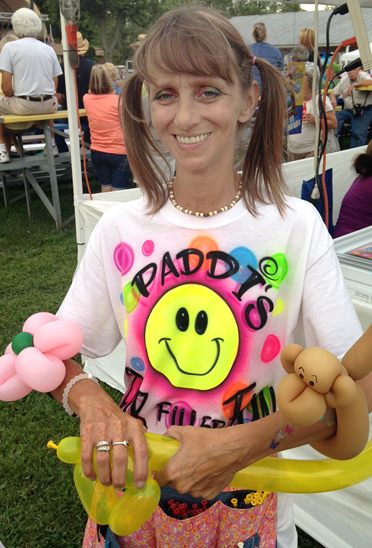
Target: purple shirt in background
(356,207)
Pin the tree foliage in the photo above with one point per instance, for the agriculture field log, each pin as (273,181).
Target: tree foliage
(115,24)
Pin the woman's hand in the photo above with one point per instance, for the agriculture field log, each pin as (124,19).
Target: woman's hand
(205,463)
(102,420)
(309,119)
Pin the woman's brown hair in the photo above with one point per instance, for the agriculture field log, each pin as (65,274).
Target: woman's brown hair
(259,32)
(363,162)
(200,41)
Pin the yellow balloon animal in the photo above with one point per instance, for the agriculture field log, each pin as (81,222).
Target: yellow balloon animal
(127,513)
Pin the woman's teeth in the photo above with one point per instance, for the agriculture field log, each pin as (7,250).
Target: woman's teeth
(191,140)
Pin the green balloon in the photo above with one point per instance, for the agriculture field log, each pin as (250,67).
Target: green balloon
(21,341)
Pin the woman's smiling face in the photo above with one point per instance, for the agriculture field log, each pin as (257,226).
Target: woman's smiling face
(197,117)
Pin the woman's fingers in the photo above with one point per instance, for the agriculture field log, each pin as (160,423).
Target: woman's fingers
(141,455)
(202,466)
(119,466)
(111,425)
(103,465)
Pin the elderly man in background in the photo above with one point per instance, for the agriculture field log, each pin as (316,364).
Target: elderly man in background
(357,105)
(32,68)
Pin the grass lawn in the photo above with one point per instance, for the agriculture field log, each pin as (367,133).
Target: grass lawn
(39,506)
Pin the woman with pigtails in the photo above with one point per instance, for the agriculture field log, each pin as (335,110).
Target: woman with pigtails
(207,278)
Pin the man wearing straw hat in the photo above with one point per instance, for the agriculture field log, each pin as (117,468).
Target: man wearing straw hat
(140,39)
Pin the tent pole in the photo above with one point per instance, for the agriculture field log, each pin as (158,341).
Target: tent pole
(72,110)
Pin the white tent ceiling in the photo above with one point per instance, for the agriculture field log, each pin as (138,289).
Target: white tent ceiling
(362,3)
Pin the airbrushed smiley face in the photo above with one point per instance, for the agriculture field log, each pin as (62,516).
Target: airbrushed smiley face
(192,337)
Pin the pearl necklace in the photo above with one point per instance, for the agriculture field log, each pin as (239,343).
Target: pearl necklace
(236,199)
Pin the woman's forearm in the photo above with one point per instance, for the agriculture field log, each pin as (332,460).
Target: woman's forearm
(366,384)
(82,392)
(259,439)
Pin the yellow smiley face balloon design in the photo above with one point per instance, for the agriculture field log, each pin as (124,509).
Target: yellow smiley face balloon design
(192,337)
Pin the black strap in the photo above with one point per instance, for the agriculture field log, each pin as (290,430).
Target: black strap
(352,98)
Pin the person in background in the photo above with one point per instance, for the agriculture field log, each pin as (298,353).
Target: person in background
(206,278)
(301,145)
(122,76)
(138,42)
(260,48)
(82,81)
(114,72)
(108,152)
(307,39)
(356,207)
(357,105)
(30,70)
(11,139)
(300,54)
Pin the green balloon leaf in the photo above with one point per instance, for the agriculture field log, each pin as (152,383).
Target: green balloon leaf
(21,341)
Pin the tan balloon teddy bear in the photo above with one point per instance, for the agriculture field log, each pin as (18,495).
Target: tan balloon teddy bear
(317,379)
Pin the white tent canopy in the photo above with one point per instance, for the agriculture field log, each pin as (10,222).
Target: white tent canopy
(351,56)
(362,3)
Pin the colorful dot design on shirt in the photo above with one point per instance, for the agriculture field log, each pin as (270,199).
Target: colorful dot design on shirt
(246,258)
(123,258)
(274,269)
(137,364)
(271,349)
(230,396)
(203,244)
(180,412)
(131,297)
(148,248)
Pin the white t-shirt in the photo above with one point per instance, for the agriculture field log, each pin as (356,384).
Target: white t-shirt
(33,65)
(301,143)
(214,300)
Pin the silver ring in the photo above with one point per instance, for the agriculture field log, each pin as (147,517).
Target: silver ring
(103,448)
(125,442)
(102,444)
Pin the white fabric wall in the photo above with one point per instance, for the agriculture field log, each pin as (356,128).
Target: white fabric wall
(340,519)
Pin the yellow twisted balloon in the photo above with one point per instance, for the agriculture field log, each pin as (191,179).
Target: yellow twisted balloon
(104,506)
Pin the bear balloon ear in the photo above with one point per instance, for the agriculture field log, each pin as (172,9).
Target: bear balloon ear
(289,355)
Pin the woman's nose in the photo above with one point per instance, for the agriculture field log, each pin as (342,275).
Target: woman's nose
(187,114)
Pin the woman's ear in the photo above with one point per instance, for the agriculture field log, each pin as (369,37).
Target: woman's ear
(251,97)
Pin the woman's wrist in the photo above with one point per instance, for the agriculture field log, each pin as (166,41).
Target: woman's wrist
(68,388)
(274,433)
(79,393)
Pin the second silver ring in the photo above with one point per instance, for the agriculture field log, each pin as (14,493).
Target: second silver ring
(124,442)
